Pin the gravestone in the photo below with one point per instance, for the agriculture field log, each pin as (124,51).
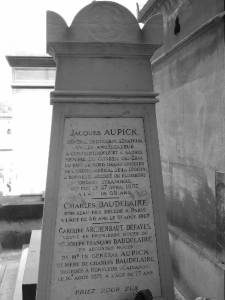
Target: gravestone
(104,234)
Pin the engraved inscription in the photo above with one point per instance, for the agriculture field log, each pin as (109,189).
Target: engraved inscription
(105,244)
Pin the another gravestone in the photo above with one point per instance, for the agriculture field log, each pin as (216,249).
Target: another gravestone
(104,233)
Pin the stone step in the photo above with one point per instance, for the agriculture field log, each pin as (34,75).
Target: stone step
(18,295)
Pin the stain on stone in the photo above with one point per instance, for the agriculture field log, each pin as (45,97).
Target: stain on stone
(220,209)
(185,66)
(193,211)
(175,267)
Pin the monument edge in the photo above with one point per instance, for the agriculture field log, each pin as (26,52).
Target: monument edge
(52,187)
(101,49)
(103,97)
(159,206)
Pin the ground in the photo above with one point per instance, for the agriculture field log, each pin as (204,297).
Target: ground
(9,263)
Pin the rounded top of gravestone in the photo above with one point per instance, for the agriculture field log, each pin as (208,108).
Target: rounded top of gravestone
(105,21)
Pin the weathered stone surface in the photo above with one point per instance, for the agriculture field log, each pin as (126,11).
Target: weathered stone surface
(105,218)
(191,132)
(188,72)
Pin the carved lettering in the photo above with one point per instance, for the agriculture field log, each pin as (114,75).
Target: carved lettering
(105,235)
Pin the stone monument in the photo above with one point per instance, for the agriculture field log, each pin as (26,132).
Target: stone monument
(104,234)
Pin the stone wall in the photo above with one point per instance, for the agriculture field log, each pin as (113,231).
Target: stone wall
(189,75)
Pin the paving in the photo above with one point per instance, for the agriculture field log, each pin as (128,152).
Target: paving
(9,263)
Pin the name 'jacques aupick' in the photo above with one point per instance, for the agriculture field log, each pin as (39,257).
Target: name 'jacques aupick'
(117,131)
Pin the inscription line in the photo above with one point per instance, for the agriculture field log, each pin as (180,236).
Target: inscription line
(105,198)
(99,223)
